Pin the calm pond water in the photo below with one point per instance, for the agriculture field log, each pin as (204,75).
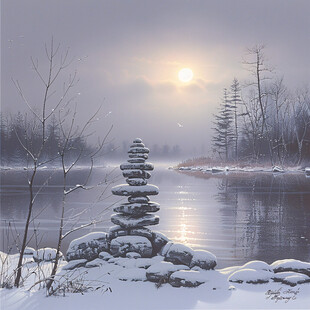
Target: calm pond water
(238,216)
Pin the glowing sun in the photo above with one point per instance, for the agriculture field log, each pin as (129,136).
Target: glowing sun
(186,75)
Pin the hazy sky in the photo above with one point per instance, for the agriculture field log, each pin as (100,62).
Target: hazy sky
(131,51)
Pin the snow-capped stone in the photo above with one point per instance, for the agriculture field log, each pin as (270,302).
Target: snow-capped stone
(250,276)
(142,199)
(165,248)
(135,173)
(97,262)
(145,156)
(179,254)
(127,190)
(105,255)
(128,221)
(307,171)
(162,270)
(141,150)
(88,246)
(187,278)
(45,254)
(137,208)
(136,144)
(133,255)
(296,279)
(134,166)
(29,251)
(159,240)
(291,265)
(75,264)
(132,274)
(122,245)
(257,265)
(137,140)
(277,169)
(144,232)
(136,182)
(280,276)
(117,231)
(136,160)
(203,259)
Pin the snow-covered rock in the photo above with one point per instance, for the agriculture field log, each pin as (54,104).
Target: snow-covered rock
(141,150)
(144,232)
(137,208)
(162,271)
(291,265)
(136,181)
(277,169)
(45,254)
(250,276)
(105,255)
(128,190)
(75,264)
(88,246)
(293,280)
(97,262)
(280,276)
(257,265)
(29,251)
(187,278)
(179,254)
(135,173)
(159,240)
(133,255)
(133,274)
(134,166)
(203,259)
(124,244)
(128,221)
(136,160)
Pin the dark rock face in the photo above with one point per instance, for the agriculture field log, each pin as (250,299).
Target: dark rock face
(186,278)
(128,221)
(203,259)
(88,247)
(179,254)
(159,240)
(137,208)
(120,246)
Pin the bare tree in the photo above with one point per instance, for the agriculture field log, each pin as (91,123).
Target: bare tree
(56,65)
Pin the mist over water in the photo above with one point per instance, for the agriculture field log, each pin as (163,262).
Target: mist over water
(238,216)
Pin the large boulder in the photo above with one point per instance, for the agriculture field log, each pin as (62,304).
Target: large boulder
(179,254)
(187,278)
(203,259)
(160,272)
(250,276)
(88,247)
(159,240)
(120,246)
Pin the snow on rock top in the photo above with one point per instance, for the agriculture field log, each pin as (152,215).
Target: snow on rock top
(257,265)
(129,190)
(291,265)
(137,140)
(250,276)
(89,238)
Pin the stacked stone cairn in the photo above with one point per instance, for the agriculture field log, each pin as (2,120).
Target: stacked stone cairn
(130,239)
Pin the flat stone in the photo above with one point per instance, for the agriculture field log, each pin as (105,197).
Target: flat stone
(160,272)
(144,156)
(179,254)
(135,173)
(105,256)
(120,246)
(128,190)
(129,221)
(137,208)
(140,166)
(137,140)
(136,160)
(139,199)
(251,276)
(136,182)
(140,150)
(137,145)
(203,259)
(117,231)
(187,278)
(88,246)
(143,231)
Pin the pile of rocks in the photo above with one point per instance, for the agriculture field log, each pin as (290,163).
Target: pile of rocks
(131,239)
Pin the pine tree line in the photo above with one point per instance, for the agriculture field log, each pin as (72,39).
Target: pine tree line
(262,121)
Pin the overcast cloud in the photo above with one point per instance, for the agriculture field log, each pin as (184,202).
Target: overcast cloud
(131,51)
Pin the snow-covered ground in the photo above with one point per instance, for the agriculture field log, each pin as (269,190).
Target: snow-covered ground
(119,283)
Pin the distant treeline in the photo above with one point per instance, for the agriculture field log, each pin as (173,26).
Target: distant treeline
(18,132)
(261,121)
